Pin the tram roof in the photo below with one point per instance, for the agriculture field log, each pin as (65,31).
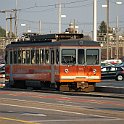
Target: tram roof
(71,42)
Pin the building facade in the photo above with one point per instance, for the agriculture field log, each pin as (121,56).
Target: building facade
(115,48)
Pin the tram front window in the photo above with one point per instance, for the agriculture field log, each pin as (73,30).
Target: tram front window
(92,56)
(69,56)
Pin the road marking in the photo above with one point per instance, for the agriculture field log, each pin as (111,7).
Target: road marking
(75,120)
(62,111)
(34,114)
(18,120)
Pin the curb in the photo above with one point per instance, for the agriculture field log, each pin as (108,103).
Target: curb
(106,89)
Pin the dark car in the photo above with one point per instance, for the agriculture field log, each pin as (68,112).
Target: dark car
(119,74)
(114,72)
(108,72)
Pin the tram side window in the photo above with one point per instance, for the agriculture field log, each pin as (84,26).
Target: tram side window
(15,56)
(41,56)
(47,56)
(23,57)
(19,56)
(37,56)
(81,56)
(92,56)
(68,56)
(52,57)
(33,56)
(28,56)
(11,61)
(57,56)
(6,57)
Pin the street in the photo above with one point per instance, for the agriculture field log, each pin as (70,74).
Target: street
(30,107)
(111,83)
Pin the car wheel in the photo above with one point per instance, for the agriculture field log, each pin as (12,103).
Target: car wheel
(119,78)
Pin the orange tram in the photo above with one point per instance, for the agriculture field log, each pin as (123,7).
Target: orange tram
(65,62)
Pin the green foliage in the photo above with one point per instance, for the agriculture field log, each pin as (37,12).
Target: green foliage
(2,32)
(103,28)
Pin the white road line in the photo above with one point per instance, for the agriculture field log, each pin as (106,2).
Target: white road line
(84,120)
(42,109)
(77,113)
(62,111)
(34,114)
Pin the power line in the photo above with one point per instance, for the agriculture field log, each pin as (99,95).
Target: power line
(55,5)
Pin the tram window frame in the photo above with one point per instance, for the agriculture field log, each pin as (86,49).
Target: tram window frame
(33,56)
(67,57)
(42,56)
(47,56)
(19,56)
(15,56)
(28,57)
(23,56)
(52,57)
(37,56)
(57,56)
(7,57)
(81,56)
(94,58)
(11,57)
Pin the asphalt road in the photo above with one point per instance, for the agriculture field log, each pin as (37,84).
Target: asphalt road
(24,107)
(111,83)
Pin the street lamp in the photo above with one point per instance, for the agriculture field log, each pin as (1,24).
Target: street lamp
(23,25)
(60,16)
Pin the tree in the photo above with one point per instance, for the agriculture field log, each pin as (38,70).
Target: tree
(2,32)
(103,28)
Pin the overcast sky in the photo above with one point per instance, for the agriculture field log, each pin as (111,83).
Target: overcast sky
(32,11)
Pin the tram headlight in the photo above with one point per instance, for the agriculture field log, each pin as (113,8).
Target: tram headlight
(94,71)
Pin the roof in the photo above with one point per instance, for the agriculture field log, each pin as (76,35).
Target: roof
(71,42)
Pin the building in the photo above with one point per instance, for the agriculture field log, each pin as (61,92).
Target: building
(115,43)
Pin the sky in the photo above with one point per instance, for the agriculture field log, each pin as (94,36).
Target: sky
(30,12)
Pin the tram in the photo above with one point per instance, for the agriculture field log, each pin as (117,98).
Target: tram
(65,62)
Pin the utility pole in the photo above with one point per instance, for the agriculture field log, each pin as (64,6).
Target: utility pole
(6,25)
(117,32)
(15,27)
(59,16)
(40,27)
(95,20)
(10,25)
(107,24)
(7,11)
(117,39)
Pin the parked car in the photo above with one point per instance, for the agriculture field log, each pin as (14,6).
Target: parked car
(113,72)
(108,72)
(120,74)
(120,64)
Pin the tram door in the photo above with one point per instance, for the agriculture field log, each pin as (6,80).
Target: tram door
(52,61)
(81,63)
